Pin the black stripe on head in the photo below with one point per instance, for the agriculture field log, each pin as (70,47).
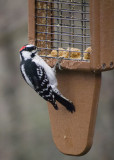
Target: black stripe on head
(30,48)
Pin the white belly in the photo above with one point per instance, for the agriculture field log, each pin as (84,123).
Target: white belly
(50,73)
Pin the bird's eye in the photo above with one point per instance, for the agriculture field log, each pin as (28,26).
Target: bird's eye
(34,48)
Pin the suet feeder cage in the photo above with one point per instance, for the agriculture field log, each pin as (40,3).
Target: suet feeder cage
(82,32)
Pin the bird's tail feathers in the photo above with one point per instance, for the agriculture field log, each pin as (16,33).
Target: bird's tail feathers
(65,102)
(55,106)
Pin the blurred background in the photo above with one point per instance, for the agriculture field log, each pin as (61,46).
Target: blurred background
(25,131)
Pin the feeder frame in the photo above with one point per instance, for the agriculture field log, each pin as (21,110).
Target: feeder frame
(73,133)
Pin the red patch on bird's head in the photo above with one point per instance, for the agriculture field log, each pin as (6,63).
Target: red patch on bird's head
(22,48)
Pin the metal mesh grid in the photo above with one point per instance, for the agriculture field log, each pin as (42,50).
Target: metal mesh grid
(62,27)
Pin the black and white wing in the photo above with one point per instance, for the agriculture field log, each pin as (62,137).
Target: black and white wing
(37,78)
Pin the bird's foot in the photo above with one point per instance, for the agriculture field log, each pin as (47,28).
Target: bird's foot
(57,65)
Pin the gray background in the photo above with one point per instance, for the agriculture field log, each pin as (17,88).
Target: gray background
(25,132)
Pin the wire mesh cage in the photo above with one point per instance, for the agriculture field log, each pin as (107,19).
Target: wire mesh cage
(63,29)
(77,30)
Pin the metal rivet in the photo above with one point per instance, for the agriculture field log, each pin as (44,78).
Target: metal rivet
(111,64)
(103,66)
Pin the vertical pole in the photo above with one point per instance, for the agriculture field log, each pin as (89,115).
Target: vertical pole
(31,21)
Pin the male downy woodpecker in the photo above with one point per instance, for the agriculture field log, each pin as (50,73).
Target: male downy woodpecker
(41,77)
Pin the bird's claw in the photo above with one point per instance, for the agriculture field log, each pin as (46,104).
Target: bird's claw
(57,65)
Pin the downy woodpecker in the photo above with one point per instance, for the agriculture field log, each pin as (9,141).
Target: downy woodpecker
(41,77)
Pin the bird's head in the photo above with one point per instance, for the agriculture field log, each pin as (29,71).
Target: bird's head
(28,51)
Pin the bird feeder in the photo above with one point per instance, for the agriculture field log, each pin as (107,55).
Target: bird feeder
(82,33)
